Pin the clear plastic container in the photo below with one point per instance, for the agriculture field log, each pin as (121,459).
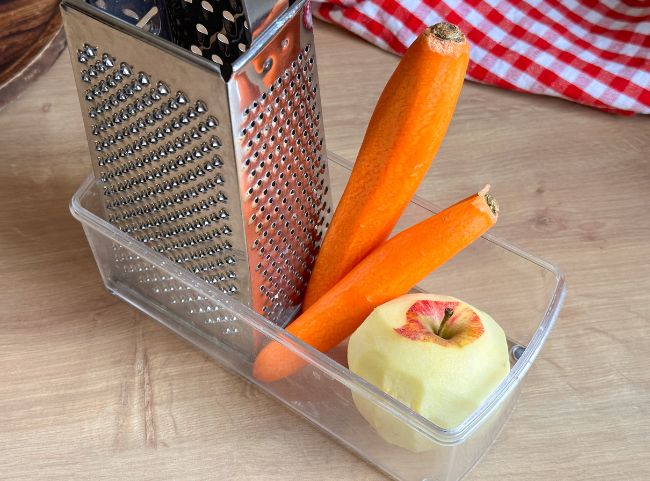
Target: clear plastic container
(524,295)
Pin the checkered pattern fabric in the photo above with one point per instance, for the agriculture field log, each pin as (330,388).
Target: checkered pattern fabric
(593,52)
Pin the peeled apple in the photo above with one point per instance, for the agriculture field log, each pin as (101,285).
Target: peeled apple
(437,354)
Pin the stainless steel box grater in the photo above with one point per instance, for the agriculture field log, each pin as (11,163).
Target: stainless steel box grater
(218,166)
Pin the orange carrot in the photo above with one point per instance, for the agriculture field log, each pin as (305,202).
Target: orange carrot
(386,273)
(402,138)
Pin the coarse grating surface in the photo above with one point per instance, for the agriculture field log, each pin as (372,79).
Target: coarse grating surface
(157,157)
(215,29)
(285,186)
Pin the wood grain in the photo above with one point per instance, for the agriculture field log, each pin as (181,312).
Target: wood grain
(31,39)
(91,389)
(22,22)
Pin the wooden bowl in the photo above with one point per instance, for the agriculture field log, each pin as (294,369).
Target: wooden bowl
(31,38)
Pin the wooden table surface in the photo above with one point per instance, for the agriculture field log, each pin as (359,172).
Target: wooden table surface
(92,389)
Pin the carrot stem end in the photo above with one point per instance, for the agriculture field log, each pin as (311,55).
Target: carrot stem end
(447,31)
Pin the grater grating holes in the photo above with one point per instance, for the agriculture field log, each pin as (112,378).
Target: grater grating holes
(277,140)
(161,206)
(131,167)
(159,166)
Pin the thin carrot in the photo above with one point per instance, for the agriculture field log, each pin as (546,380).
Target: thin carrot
(402,138)
(389,271)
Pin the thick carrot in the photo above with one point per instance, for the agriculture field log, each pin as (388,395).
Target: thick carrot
(389,271)
(402,138)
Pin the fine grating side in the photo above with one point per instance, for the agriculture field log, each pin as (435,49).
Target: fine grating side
(284,174)
(157,157)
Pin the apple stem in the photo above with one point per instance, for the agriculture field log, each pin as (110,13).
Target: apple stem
(448,313)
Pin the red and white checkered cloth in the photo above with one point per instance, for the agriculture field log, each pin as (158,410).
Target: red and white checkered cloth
(593,52)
